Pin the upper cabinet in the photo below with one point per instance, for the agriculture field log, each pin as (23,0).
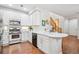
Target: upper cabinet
(32,19)
(10,15)
(35,18)
(24,20)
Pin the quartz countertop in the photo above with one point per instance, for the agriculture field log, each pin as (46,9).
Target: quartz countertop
(51,34)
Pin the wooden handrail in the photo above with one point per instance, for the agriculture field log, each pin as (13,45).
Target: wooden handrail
(55,27)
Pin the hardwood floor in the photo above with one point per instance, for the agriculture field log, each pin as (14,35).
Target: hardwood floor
(70,45)
(21,48)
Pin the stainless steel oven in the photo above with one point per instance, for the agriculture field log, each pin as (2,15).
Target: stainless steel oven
(14,31)
(14,38)
(15,35)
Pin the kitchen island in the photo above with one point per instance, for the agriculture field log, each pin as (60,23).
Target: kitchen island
(50,42)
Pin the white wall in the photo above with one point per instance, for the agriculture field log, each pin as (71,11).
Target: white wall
(46,14)
(70,26)
(78,29)
(73,27)
(65,26)
(55,16)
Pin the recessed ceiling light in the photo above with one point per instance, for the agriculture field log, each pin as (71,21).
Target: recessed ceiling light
(24,9)
(21,5)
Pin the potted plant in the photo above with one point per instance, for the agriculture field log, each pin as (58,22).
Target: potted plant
(30,28)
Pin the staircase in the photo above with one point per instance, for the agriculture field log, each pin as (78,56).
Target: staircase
(55,25)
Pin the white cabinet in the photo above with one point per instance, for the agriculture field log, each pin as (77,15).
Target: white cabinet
(30,36)
(55,45)
(48,44)
(5,19)
(25,20)
(26,36)
(35,18)
(39,41)
(43,43)
(5,37)
(30,19)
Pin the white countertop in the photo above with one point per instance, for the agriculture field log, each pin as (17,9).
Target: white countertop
(51,34)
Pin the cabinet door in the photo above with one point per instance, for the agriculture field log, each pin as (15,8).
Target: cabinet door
(49,45)
(39,41)
(5,19)
(55,46)
(26,20)
(45,44)
(5,37)
(30,20)
(24,35)
(30,36)
(36,18)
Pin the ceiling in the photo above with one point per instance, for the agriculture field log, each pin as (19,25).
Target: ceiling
(66,10)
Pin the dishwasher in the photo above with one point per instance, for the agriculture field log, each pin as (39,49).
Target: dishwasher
(34,39)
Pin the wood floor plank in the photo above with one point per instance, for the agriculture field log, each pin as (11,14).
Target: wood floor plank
(21,48)
(70,45)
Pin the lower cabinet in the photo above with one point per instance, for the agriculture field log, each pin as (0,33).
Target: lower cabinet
(39,41)
(43,43)
(26,36)
(46,45)
(5,38)
(55,46)
(49,45)
(30,36)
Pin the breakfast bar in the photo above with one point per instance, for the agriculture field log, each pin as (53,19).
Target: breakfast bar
(50,42)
